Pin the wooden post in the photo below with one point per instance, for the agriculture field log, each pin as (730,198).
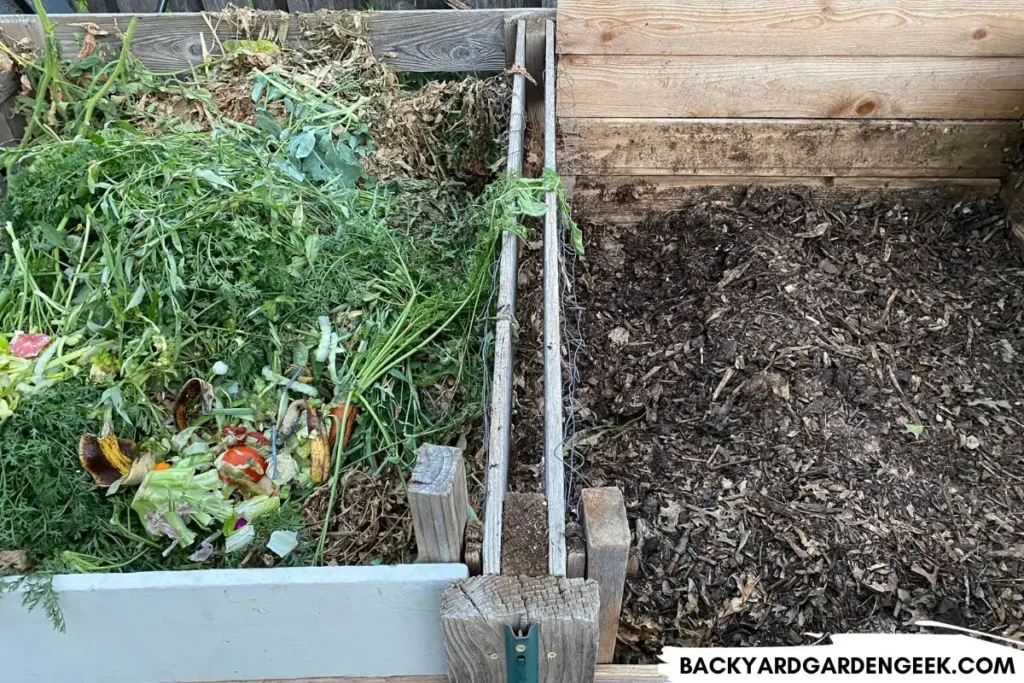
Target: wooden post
(607,533)
(474,614)
(439,503)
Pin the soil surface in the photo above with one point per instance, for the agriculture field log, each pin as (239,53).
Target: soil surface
(815,409)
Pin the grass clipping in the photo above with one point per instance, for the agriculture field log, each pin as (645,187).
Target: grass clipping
(283,223)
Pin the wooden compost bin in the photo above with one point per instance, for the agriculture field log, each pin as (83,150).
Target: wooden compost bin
(288,623)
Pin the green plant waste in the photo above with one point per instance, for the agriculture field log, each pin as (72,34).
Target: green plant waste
(306,233)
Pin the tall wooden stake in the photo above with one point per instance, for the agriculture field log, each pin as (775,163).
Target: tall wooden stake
(607,533)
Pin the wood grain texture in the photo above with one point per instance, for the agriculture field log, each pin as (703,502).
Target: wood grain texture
(554,467)
(793,27)
(791,87)
(793,147)
(500,437)
(419,41)
(474,614)
(603,514)
(439,503)
(607,673)
(630,200)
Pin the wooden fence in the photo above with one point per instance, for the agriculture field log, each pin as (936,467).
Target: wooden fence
(863,93)
(145,6)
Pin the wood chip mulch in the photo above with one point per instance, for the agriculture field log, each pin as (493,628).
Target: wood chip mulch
(815,409)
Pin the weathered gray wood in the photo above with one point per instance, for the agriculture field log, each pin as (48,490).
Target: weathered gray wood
(524,537)
(11,126)
(185,5)
(501,386)
(439,503)
(606,673)
(137,6)
(554,468)
(607,532)
(419,41)
(474,614)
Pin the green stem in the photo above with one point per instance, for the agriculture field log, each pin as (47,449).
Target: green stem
(122,59)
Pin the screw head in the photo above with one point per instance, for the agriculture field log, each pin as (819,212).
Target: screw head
(520,649)
(494,655)
(552,655)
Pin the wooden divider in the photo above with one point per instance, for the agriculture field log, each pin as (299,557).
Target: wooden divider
(419,41)
(891,92)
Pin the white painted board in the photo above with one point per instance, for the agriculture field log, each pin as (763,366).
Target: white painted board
(232,625)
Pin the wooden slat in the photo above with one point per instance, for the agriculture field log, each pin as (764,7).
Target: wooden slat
(790,147)
(631,199)
(791,87)
(792,27)
(423,41)
(554,467)
(500,437)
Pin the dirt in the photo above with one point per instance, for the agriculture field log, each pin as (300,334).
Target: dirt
(524,535)
(814,409)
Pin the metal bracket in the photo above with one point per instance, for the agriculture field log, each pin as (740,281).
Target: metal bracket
(521,654)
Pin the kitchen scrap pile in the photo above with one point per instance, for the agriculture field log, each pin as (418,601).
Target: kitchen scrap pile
(231,296)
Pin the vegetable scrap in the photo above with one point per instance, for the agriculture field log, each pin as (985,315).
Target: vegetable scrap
(234,288)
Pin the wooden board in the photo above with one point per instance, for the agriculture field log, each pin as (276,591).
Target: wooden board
(421,41)
(439,503)
(607,532)
(791,87)
(789,147)
(322,621)
(630,200)
(792,27)
(607,673)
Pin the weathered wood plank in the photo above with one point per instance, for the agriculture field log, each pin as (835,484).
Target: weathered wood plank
(603,513)
(606,673)
(500,437)
(439,503)
(422,41)
(322,621)
(794,147)
(791,87)
(983,28)
(474,614)
(629,200)
(554,468)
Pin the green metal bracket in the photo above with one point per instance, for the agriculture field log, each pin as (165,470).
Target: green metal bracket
(521,658)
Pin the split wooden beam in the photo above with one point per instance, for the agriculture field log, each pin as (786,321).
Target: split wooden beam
(439,503)
(607,537)
(500,436)
(475,612)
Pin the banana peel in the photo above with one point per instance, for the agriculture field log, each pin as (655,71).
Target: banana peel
(319,447)
(106,458)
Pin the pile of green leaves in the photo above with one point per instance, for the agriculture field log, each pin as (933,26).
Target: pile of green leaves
(235,251)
